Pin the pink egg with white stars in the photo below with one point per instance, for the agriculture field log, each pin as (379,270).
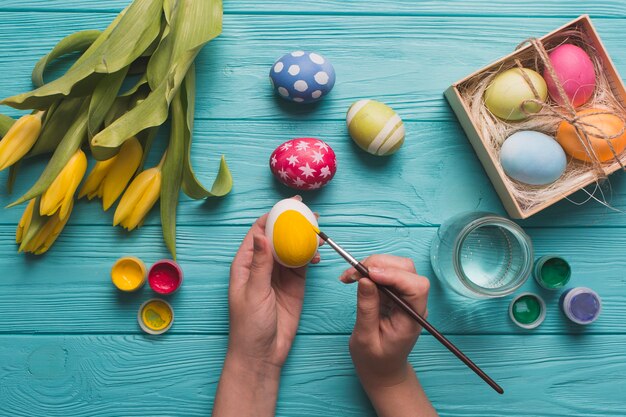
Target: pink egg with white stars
(304,163)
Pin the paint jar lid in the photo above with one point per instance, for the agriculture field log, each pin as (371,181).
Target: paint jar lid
(527,310)
(155,316)
(165,277)
(128,274)
(581,305)
(552,272)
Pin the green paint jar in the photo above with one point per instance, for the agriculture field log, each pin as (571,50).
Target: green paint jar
(527,310)
(552,272)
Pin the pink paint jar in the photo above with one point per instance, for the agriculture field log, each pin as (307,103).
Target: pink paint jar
(165,277)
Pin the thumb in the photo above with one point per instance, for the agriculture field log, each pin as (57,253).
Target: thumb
(367,307)
(261,266)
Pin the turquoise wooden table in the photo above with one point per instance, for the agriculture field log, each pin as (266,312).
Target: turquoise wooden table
(70,344)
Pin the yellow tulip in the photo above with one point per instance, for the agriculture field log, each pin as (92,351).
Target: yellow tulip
(138,199)
(109,178)
(20,139)
(60,195)
(46,236)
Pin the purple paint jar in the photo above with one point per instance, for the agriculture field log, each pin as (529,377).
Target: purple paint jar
(581,305)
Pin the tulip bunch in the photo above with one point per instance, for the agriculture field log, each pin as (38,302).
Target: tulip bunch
(86,111)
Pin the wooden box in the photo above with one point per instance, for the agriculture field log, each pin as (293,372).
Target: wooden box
(489,156)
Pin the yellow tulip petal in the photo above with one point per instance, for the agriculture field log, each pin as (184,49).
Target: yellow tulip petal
(62,189)
(121,172)
(133,194)
(24,224)
(148,199)
(19,139)
(59,225)
(95,178)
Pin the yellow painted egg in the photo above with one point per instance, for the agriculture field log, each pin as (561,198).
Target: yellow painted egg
(597,125)
(507,94)
(290,229)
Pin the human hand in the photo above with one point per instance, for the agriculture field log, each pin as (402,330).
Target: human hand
(384,335)
(265,301)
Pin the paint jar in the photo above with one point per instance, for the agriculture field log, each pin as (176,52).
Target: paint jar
(527,310)
(128,274)
(165,277)
(155,316)
(552,272)
(581,305)
(481,255)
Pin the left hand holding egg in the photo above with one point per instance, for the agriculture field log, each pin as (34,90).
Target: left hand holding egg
(264,296)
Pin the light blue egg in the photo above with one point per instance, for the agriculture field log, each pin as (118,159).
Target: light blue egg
(302,77)
(532,158)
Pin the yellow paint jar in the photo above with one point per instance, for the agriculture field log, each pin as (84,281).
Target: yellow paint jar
(128,274)
(155,316)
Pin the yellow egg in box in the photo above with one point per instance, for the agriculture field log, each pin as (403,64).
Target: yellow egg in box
(290,230)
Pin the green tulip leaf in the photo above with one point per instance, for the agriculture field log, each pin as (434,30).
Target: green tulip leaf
(191,186)
(194,24)
(76,42)
(102,99)
(172,175)
(5,124)
(128,40)
(57,122)
(13,175)
(146,138)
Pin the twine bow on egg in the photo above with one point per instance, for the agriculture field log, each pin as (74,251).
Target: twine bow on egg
(583,129)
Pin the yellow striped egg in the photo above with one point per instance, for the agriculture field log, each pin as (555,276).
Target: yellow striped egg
(375,127)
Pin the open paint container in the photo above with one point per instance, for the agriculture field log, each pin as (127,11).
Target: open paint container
(165,277)
(552,272)
(581,305)
(527,310)
(128,274)
(155,316)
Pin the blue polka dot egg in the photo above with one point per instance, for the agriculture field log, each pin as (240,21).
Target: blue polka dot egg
(303,77)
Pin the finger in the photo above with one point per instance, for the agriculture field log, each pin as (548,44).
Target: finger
(240,267)
(316,259)
(378,261)
(261,266)
(411,287)
(367,308)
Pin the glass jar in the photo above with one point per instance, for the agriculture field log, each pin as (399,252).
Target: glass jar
(481,255)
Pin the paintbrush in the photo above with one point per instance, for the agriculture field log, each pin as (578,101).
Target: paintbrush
(362,269)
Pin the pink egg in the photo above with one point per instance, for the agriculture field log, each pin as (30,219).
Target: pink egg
(575,71)
(304,163)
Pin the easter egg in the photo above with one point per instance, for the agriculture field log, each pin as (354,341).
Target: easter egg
(303,77)
(375,127)
(597,126)
(290,229)
(532,158)
(575,71)
(506,94)
(304,163)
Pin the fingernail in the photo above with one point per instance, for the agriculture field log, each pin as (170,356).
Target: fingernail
(376,270)
(297,197)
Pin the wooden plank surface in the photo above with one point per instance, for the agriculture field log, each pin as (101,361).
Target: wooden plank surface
(435,176)
(416,58)
(525,8)
(42,295)
(177,375)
